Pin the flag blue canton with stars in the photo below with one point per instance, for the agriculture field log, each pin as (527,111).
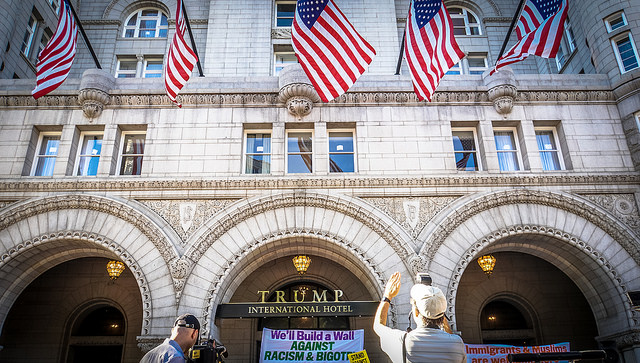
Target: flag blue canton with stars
(310,10)
(546,8)
(425,10)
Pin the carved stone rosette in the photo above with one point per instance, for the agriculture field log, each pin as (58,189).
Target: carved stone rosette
(296,92)
(502,89)
(94,91)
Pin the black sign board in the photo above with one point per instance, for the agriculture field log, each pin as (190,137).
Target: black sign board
(268,310)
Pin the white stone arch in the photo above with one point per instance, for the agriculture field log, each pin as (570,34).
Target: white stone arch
(597,252)
(36,235)
(338,226)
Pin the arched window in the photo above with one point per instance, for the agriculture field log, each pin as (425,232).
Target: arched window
(465,22)
(97,335)
(146,23)
(503,322)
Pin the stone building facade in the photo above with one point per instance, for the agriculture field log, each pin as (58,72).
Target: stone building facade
(206,205)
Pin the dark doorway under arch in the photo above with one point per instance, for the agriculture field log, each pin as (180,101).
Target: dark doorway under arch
(97,336)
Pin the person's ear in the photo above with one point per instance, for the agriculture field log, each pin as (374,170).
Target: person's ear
(416,312)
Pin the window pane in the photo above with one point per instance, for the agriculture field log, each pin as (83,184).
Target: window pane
(134,144)
(163,20)
(258,164)
(162,33)
(299,142)
(477,62)
(128,65)
(505,145)
(627,55)
(508,161)
(129,33)
(88,165)
(150,12)
(133,20)
(341,163)
(545,140)
(299,163)
(341,142)
(550,160)
(92,144)
(285,14)
(466,161)
(463,141)
(45,166)
(49,145)
(131,165)
(455,69)
(616,22)
(258,144)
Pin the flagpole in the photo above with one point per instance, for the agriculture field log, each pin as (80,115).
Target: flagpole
(193,43)
(404,34)
(84,35)
(513,23)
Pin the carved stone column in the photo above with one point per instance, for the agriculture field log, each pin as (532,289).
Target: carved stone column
(94,91)
(501,89)
(296,91)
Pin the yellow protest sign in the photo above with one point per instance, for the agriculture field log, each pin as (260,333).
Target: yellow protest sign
(359,357)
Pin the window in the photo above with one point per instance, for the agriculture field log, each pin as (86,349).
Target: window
(455,69)
(638,121)
(152,68)
(507,148)
(47,149)
(126,68)
(132,153)
(55,5)
(477,63)
(465,148)
(464,21)
(282,59)
(341,152)
(285,12)
(626,52)
(28,35)
(257,153)
(549,149)
(567,46)
(46,35)
(299,152)
(146,23)
(89,153)
(615,21)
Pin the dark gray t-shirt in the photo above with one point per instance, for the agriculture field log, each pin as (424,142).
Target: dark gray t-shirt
(423,345)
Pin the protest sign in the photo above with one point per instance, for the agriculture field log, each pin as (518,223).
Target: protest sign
(310,345)
(491,353)
(359,357)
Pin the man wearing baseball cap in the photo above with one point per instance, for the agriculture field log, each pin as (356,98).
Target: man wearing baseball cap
(184,335)
(428,342)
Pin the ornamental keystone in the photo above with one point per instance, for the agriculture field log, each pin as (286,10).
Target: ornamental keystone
(296,91)
(502,89)
(94,91)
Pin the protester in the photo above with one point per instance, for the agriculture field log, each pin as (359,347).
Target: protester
(173,350)
(428,342)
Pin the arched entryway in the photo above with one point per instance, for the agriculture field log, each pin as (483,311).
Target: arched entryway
(526,301)
(73,311)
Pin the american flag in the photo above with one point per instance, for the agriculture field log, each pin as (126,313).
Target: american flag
(430,48)
(180,60)
(55,60)
(329,49)
(539,31)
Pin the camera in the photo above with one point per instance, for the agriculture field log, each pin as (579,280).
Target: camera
(423,278)
(207,352)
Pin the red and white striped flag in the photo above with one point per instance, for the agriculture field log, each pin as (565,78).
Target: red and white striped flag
(329,49)
(55,60)
(539,31)
(180,60)
(430,48)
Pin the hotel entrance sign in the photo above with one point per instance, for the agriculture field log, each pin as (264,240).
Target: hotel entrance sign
(268,310)
(318,306)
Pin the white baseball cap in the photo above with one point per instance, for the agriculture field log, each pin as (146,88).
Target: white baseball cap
(429,300)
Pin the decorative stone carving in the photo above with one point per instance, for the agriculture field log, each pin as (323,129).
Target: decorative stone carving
(148,342)
(94,91)
(186,216)
(296,92)
(569,203)
(630,339)
(4,203)
(502,89)
(281,33)
(623,206)
(411,213)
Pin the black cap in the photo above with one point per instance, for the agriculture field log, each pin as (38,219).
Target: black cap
(187,321)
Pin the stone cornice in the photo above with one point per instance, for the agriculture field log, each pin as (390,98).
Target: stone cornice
(239,183)
(270,99)
(102,22)
(497,19)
